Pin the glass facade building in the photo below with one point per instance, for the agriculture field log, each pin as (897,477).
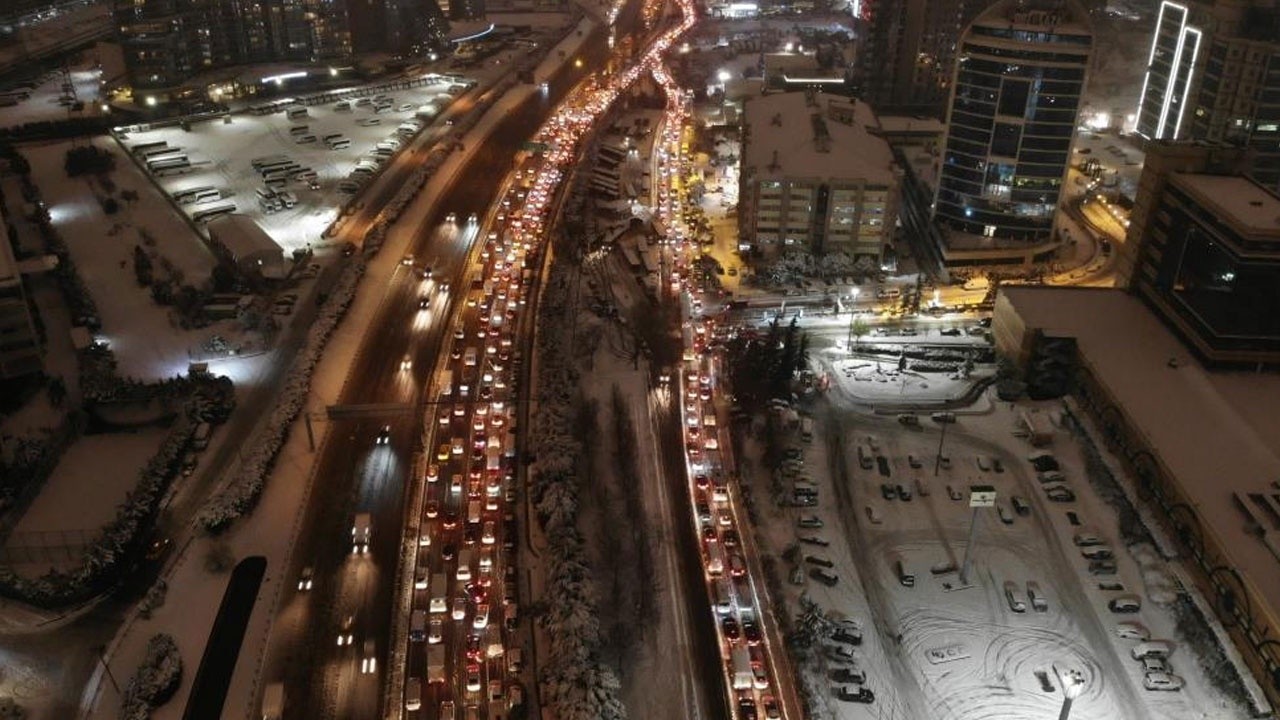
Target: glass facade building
(1014,105)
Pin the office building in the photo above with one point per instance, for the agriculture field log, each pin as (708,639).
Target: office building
(397,26)
(907,51)
(20,352)
(1204,252)
(166,43)
(1213,74)
(815,176)
(1197,448)
(1014,106)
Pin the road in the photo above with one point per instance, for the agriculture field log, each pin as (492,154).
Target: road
(353,474)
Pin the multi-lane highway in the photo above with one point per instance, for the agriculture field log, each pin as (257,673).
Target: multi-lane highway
(356,474)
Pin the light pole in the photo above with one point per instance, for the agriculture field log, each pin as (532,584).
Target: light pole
(1072,685)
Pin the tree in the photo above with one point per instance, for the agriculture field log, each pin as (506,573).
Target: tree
(857,328)
(142,268)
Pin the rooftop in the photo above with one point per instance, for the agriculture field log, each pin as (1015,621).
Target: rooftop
(1057,17)
(1253,209)
(243,237)
(785,140)
(1216,431)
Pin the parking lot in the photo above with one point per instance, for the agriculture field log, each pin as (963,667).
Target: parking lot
(362,135)
(1054,601)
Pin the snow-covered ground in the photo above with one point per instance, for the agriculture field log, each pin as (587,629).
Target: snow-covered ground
(44,101)
(938,649)
(223,153)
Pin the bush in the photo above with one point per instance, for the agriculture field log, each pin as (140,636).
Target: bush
(155,681)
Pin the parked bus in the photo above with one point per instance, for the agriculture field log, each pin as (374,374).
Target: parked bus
(340,144)
(188,196)
(294,112)
(259,162)
(204,196)
(210,213)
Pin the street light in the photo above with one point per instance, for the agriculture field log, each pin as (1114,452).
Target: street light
(1072,686)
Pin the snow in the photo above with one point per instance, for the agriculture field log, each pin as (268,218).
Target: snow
(879,381)
(146,342)
(996,651)
(43,104)
(79,497)
(790,150)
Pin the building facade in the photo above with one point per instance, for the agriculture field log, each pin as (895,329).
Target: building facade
(167,42)
(815,176)
(1205,242)
(907,51)
(20,350)
(1015,102)
(397,26)
(1213,74)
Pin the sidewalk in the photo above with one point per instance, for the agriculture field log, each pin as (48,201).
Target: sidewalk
(194,593)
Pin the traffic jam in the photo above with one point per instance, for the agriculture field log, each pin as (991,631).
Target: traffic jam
(465,599)
(748,669)
(465,602)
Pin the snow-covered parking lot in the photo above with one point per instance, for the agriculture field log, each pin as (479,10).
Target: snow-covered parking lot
(934,647)
(221,156)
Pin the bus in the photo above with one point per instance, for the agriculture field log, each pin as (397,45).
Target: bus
(204,196)
(286,165)
(187,196)
(210,213)
(295,111)
(142,148)
(258,163)
(157,153)
(340,144)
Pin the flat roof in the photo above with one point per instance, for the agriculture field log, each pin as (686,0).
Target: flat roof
(1241,200)
(781,129)
(901,124)
(242,236)
(1216,431)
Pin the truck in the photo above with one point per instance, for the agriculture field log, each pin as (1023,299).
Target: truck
(273,702)
(361,529)
(435,664)
(742,675)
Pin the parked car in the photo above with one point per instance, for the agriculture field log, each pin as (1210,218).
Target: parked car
(1132,630)
(820,562)
(1151,648)
(1060,493)
(1102,567)
(809,521)
(854,675)
(1162,681)
(1125,604)
(1012,595)
(1036,596)
(855,693)
(1098,552)
(826,578)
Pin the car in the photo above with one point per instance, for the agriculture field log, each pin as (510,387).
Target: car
(384,436)
(708,533)
(914,461)
(1154,664)
(759,678)
(1132,630)
(873,515)
(814,540)
(1151,648)
(495,691)
(903,492)
(953,493)
(435,631)
(847,634)
(997,465)
(751,631)
(732,631)
(820,562)
(729,537)
(1087,539)
(420,580)
(1162,681)
(443,453)
(433,508)
(369,658)
(887,491)
(855,693)
(746,707)
(406,363)
(1046,685)
(1102,567)
(1043,462)
(473,647)
(459,608)
(1012,595)
(1051,476)
(345,634)
(849,675)
(1125,604)
(1098,552)
(1060,493)
(473,678)
(1038,601)
(424,302)
(771,709)
(481,620)
(369,122)
(451,218)
(823,576)
(304,580)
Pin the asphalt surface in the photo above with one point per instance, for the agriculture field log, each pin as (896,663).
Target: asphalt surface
(353,474)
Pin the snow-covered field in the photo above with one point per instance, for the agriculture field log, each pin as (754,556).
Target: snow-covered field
(79,496)
(43,103)
(940,650)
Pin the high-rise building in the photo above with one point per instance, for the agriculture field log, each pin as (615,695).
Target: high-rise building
(908,50)
(20,352)
(167,42)
(1014,105)
(396,26)
(1204,252)
(1213,73)
(815,175)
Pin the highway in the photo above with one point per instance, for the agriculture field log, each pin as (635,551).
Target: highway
(355,474)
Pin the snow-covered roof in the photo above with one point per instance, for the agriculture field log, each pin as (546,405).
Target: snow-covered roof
(781,130)
(242,237)
(1254,210)
(1215,431)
